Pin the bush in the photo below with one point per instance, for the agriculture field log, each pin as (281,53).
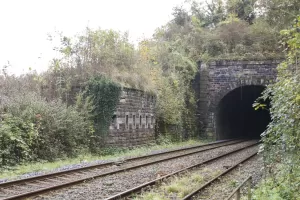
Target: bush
(34,129)
(280,186)
(16,138)
(281,147)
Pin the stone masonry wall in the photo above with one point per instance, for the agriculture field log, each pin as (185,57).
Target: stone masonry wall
(219,78)
(134,120)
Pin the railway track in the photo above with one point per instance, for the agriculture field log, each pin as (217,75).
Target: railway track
(35,185)
(138,189)
(216,178)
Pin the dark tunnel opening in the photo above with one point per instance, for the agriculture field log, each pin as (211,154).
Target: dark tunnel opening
(236,117)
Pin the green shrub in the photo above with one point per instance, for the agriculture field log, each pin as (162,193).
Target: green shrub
(34,129)
(279,187)
(16,139)
(281,140)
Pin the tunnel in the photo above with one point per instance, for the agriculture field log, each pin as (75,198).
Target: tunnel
(236,117)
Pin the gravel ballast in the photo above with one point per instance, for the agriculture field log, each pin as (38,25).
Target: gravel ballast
(207,172)
(222,188)
(104,187)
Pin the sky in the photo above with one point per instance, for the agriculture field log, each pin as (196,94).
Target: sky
(25,24)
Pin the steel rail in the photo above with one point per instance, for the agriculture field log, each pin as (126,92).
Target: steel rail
(189,196)
(8,183)
(80,180)
(153,182)
(238,189)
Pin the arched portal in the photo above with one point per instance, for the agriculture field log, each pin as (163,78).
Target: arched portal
(236,117)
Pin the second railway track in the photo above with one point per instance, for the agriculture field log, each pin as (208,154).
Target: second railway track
(35,185)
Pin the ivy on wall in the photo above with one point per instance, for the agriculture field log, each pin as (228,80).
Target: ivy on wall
(104,95)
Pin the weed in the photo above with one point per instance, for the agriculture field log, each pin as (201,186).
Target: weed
(233,183)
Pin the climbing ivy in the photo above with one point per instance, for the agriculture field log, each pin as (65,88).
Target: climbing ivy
(281,140)
(104,94)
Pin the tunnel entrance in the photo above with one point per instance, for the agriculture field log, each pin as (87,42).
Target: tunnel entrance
(236,117)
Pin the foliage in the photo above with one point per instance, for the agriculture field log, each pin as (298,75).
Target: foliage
(34,129)
(209,15)
(97,53)
(279,187)
(218,31)
(278,13)
(104,95)
(16,138)
(281,146)
(172,72)
(244,9)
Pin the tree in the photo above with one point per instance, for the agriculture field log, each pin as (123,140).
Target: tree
(244,9)
(181,16)
(279,13)
(211,14)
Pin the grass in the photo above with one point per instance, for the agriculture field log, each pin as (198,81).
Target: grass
(178,186)
(185,185)
(107,154)
(233,183)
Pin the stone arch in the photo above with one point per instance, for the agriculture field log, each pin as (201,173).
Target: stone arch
(217,79)
(218,96)
(235,117)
